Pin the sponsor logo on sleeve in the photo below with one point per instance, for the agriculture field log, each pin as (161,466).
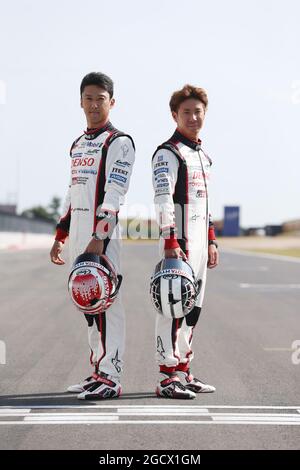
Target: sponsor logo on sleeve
(118,178)
(118,170)
(122,164)
(162,192)
(158,164)
(163,180)
(161,170)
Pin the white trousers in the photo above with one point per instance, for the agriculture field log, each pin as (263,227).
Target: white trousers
(106,331)
(174,336)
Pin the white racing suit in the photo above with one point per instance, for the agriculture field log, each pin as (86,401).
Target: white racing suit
(180,179)
(101,166)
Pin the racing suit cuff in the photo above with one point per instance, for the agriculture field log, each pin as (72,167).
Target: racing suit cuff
(169,235)
(211,233)
(168,370)
(61,235)
(171,243)
(183,367)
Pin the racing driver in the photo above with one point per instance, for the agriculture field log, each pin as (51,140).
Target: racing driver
(101,166)
(180,179)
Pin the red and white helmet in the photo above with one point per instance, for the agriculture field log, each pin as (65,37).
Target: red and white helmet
(93,283)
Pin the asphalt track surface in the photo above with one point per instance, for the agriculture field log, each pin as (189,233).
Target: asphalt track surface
(242,343)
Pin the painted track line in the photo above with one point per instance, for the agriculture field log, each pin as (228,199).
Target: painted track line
(159,422)
(155,407)
(254,254)
(243,415)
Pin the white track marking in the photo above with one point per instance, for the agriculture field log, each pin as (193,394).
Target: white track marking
(154,407)
(269,287)
(256,415)
(177,411)
(116,415)
(73,418)
(242,268)
(278,349)
(13,411)
(290,259)
(161,422)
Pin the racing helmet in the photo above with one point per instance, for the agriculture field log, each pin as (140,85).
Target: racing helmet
(173,288)
(93,283)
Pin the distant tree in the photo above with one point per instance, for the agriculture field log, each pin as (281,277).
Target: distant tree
(53,208)
(49,213)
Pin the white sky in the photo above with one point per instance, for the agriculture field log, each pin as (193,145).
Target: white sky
(244,53)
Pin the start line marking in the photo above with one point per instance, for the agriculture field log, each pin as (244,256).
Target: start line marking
(242,415)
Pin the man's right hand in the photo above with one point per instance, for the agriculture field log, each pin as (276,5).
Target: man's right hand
(175,253)
(55,253)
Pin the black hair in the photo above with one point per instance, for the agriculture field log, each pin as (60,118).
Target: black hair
(99,79)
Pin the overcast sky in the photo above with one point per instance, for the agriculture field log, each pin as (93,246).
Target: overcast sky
(244,53)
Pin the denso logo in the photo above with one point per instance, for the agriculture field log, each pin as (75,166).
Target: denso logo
(83,161)
(199,175)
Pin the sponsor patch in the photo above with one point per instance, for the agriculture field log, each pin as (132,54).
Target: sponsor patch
(161,170)
(122,164)
(86,161)
(92,172)
(118,178)
(162,192)
(160,164)
(163,180)
(94,144)
(200,193)
(118,170)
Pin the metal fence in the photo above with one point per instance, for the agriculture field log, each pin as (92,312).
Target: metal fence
(18,223)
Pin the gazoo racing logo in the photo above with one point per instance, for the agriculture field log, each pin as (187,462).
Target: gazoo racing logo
(85,161)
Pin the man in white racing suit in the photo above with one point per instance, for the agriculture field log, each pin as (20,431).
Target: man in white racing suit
(180,178)
(101,166)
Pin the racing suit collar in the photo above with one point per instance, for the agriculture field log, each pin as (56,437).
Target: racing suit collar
(186,141)
(91,134)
